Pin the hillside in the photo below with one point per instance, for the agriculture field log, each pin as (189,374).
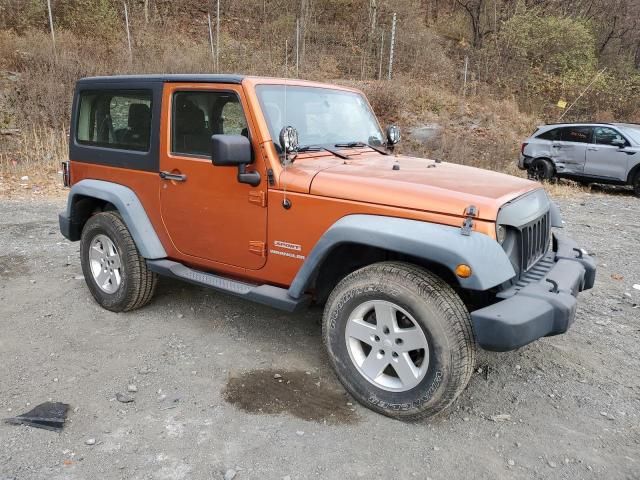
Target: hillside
(510,87)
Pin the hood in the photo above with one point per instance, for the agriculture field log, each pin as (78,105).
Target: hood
(416,184)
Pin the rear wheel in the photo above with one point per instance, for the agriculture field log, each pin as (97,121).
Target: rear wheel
(115,272)
(399,339)
(541,169)
(636,185)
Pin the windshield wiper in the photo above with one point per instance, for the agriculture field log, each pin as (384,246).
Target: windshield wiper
(361,144)
(317,148)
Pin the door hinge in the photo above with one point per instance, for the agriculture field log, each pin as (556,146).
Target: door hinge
(467,224)
(258,248)
(259,197)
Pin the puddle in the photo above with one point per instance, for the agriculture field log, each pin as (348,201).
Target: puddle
(296,393)
(13,266)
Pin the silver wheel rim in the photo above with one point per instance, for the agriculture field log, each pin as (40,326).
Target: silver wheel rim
(387,346)
(105,264)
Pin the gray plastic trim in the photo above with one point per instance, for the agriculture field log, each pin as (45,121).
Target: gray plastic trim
(129,206)
(555,216)
(436,243)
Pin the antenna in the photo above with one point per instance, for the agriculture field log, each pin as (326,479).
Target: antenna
(285,162)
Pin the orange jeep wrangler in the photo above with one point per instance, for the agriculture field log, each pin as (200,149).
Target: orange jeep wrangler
(285,192)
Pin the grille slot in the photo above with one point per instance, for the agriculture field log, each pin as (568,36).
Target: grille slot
(534,241)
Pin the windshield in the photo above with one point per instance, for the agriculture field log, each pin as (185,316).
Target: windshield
(321,116)
(633,131)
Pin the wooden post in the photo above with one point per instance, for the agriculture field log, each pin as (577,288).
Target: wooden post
(391,47)
(53,35)
(126,21)
(213,55)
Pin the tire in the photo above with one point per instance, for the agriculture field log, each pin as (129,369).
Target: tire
(636,185)
(541,169)
(115,272)
(418,299)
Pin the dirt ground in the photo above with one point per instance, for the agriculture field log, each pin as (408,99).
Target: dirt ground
(210,401)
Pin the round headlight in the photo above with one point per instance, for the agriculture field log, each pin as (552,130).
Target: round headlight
(501,234)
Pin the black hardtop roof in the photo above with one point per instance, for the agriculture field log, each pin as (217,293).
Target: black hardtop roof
(181,77)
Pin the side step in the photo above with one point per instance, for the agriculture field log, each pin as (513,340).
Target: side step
(265,294)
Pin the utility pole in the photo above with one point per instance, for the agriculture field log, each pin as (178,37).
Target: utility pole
(126,21)
(381,54)
(391,47)
(297,46)
(53,35)
(218,37)
(213,55)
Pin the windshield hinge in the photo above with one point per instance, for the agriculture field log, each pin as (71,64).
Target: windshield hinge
(258,197)
(467,224)
(258,248)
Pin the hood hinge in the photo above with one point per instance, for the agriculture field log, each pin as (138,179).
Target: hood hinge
(467,224)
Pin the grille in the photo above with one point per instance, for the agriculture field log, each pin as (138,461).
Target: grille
(534,241)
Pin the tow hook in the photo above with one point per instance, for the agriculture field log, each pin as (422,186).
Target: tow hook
(467,224)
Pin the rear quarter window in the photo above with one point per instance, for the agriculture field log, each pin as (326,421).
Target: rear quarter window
(119,119)
(553,134)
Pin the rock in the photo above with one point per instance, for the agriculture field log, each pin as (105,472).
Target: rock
(300,433)
(552,464)
(286,477)
(503,417)
(518,367)
(90,441)
(132,388)
(627,295)
(511,463)
(25,178)
(436,449)
(229,474)
(124,398)
(636,286)
(277,375)
(180,315)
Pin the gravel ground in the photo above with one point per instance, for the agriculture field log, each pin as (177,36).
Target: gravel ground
(227,385)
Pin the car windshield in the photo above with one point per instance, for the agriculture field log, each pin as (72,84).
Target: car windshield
(322,116)
(632,131)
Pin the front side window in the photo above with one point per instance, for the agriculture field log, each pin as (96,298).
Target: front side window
(197,115)
(577,134)
(607,136)
(322,116)
(115,119)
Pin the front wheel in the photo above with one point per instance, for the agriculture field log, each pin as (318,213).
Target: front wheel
(636,185)
(400,340)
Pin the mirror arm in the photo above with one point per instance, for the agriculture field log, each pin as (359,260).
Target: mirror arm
(251,178)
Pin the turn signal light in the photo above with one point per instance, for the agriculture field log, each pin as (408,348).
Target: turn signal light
(463,271)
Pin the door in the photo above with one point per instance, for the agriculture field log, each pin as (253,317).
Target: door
(206,212)
(570,151)
(605,159)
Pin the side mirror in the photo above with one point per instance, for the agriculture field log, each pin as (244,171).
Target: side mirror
(393,135)
(618,142)
(234,151)
(289,140)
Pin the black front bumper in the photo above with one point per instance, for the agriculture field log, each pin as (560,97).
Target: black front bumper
(541,304)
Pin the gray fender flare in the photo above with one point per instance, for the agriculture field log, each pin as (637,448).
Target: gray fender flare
(436,243)
(129,207)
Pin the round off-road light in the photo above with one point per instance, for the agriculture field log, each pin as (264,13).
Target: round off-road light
(463,271)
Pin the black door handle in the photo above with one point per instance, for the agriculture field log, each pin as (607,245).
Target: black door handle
(177,177)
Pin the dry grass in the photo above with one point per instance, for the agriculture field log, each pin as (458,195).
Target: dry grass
(31,165)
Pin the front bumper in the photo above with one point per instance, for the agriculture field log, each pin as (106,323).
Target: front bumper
(541,304)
